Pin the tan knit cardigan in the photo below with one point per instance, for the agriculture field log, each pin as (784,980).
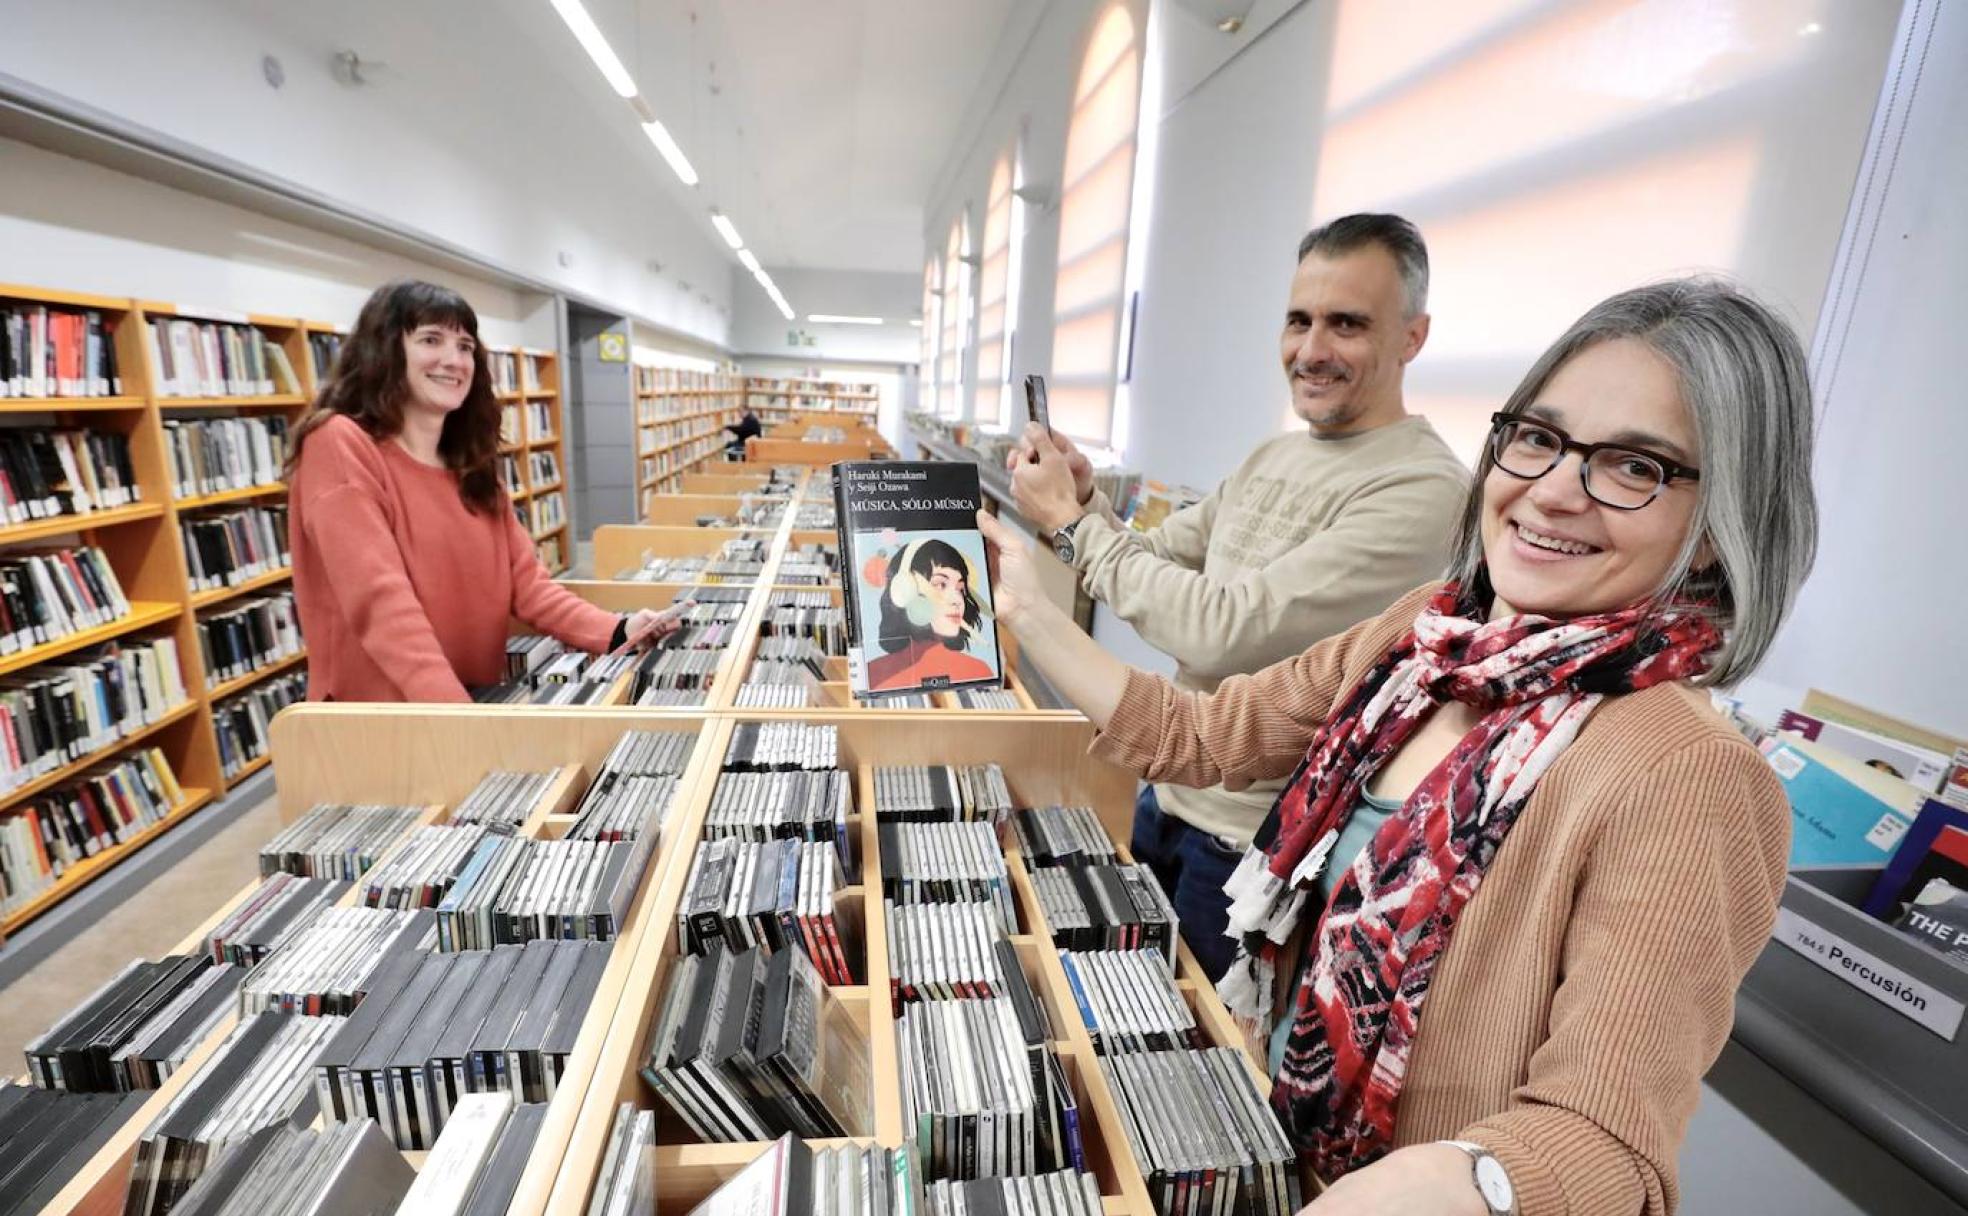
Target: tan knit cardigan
(1591,980)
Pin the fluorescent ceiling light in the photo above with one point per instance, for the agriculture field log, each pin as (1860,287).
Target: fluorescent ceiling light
(827,318)
(916,321)
(785,309)
(727,230)
(589,36)
(660,136)
(749,260)
(765,280)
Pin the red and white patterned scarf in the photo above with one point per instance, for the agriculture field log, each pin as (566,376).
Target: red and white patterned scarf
(1392,912)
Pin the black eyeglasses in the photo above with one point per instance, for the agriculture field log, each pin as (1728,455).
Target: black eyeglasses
(1613,474)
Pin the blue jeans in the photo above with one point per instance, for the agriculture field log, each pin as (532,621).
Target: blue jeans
(1192,867)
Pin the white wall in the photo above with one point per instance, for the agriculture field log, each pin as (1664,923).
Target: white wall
(759,328)
(74,226)
(454,138)
(892,384)
(1880,621)
(1024,103)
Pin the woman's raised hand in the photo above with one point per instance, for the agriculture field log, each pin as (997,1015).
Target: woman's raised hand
(1015,587)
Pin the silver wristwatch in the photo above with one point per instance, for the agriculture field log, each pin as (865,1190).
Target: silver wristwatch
(1492,1182)
(1062,540)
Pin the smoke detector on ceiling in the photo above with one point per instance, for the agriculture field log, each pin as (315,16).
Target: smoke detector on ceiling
(352,69)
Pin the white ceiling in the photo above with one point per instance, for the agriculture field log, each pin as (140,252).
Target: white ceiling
(816,125)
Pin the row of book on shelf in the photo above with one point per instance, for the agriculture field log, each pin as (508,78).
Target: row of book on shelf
(226,548)
(220,454)
(49,350)
(48,474)
(198,358)
(1866,790)
(516,371)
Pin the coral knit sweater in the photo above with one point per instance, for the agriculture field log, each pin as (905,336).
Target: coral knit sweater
(1591,980)
(404,594)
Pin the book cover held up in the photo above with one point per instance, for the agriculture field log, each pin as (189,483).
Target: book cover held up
(914,578)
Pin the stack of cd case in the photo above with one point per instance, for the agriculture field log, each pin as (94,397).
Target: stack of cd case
(438,1027)
(627,1185)
(782,747)
(1106,907)
(1128,1001)
(1001,699)
(815,616)
(502,800)
(325,968)
(514,889)
(254,1080)
(337,840)
(1061,1193)
(131,1033)
(341,1170)
(280,906)
(791,1178)
(943,863)
(1203,1137)
(932,793)
(1062,836)
(944,951)
(746,1047)
(803,805)
(774,895)
(980,1098)
(422,872)
(636,787)
(48,1136)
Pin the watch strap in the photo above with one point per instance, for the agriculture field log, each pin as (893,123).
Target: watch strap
(1477,1155)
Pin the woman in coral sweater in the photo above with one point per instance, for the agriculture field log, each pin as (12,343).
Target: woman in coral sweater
(1520,865)
(408,558)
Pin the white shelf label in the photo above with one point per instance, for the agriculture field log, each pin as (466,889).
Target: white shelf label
(1883,982)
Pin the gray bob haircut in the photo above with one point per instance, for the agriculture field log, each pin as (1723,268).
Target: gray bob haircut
(1399,237)
(1743,379)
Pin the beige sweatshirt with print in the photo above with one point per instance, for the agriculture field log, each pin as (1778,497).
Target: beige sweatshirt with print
(1307,538)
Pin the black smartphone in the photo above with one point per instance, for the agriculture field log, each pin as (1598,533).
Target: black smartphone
(1035,401)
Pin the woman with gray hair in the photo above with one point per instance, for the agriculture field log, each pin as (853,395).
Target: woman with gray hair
(1509,805)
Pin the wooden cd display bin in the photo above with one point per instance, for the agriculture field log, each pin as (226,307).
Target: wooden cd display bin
(384,754)
(1045,763)
(684,510)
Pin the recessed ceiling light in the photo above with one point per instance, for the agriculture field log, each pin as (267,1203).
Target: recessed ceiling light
(828,318)
(727,230)
(660,136)
(589,36)
(748,260)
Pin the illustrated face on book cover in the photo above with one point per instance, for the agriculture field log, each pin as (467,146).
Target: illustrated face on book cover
(922,588)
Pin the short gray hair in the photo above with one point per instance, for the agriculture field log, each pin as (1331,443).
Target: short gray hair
(1400,238)
(1743,377)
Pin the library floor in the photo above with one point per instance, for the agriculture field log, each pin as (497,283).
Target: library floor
(146,925)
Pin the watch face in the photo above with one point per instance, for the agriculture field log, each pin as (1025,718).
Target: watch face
(1494,1183)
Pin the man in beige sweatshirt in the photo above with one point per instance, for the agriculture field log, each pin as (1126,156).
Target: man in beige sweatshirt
(1317,530)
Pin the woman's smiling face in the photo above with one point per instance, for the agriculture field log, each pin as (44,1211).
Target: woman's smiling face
(1550,547)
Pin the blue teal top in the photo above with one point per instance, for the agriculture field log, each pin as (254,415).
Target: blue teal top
(1367,818)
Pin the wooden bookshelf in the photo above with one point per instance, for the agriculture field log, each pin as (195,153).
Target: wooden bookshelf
(541,431)
(777,400)
(680,419)
(291,335)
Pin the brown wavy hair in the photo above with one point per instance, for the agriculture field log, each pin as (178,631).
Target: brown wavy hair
(369,383)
